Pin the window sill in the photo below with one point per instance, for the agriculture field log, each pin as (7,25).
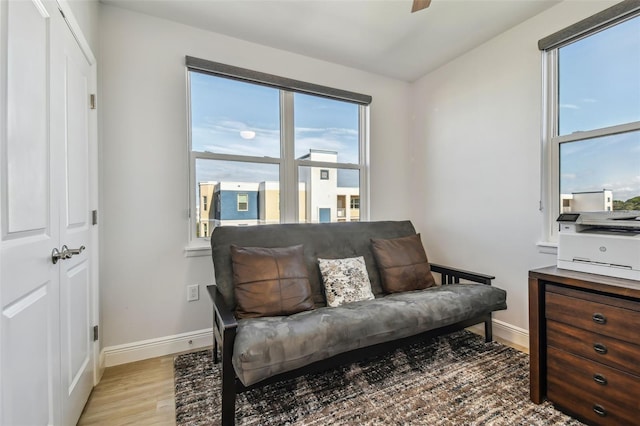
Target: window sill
(197,251)
(547,247)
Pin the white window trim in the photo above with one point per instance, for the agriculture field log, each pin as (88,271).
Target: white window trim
(549,158)
(550,168)
(238,202)
(288,168)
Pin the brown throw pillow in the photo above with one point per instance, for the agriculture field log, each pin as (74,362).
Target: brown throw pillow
(403,264)
(270,281)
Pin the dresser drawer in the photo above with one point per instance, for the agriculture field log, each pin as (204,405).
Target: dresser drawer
(596,347)
(599,314)
(605,384)
(593,408)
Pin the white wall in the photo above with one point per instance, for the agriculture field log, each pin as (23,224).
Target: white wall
(469,131)
(144,164)
(476,156)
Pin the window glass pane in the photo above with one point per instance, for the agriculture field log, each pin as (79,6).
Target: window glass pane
(240,143)
(240,193)
(243,202)
(599,83)
(326,125)
(233,117)
(328,200)
(601,173)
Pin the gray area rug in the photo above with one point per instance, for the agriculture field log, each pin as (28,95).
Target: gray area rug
(456,379)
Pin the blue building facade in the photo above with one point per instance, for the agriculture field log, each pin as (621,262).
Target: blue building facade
(236,205)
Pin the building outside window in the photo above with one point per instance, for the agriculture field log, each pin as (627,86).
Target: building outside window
(294,153)
(205,215)
(592,119)
(355,202)
(243,202)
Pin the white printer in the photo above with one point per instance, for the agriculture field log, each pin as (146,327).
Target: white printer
(605,243)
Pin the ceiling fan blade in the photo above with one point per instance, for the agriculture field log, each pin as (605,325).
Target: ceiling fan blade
(419,5)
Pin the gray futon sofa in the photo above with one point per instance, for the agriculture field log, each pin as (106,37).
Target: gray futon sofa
(260,350)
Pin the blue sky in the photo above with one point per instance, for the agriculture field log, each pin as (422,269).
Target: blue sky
(223,108)
(611,162)
(600,87)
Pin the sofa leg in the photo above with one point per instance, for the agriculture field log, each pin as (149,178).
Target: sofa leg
(228,404)
(488,330)
(228,386)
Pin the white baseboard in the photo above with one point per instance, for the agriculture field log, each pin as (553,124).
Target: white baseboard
(506,331)
(152,348)
(99,368)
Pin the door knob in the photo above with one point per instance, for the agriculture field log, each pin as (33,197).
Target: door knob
(65,253)
(68,253)
(56,255)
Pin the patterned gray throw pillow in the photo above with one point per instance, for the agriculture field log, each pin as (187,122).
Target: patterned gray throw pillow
(345,280)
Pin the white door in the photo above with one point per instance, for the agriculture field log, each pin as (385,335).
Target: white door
(71,82)
(29,282)
(46,356)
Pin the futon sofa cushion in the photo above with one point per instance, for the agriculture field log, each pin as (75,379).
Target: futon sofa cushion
(320,240)
(270,281)
(345,280)
(272,345)
(402,263)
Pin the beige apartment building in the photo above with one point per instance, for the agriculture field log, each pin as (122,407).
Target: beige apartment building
(342,206)
(345,206)
(590,201)
(320,199)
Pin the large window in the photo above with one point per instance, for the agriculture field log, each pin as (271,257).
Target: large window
(592,136)
(267,150)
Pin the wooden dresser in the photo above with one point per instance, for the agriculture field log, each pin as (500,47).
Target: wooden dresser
(584,341)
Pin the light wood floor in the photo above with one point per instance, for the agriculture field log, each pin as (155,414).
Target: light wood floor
(141,393)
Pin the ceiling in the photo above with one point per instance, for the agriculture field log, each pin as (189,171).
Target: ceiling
(379,36)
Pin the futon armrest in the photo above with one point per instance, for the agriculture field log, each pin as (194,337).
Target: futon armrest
(223,318)
(453,275)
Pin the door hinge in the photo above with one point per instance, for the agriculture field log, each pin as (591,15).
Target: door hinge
(92,101)
(94,217)
(95,333)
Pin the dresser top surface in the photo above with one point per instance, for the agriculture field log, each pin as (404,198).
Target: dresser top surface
(602,283)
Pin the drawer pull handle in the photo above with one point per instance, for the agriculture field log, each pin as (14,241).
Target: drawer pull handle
(599,318)
(599,410)
(600,379)
(600,348)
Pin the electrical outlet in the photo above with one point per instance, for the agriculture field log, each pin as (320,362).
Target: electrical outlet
(193,293)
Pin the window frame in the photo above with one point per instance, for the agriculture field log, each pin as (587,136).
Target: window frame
(551,140)
(354,203)
(244,195)
(287,163)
